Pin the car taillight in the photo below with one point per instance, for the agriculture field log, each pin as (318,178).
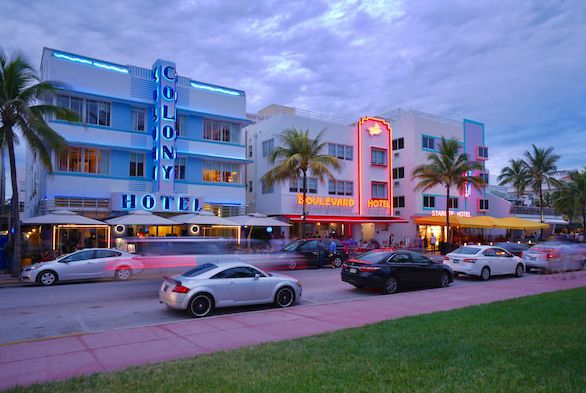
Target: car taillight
(368,268)
(180,289)
(344,266)
(470,260)
(446,258)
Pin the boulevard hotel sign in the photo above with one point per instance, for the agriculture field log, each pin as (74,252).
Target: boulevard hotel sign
(163,153)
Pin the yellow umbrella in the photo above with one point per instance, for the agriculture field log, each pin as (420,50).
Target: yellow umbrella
(519,223)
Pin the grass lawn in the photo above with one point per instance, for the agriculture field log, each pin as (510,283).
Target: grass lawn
(533,344)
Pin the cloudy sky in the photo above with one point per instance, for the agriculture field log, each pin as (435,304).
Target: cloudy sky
(518,66)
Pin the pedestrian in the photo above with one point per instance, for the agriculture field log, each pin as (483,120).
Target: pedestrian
(432,241)
(424,242)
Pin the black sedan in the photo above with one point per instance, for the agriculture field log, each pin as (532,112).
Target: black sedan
(391,270)
(514,248)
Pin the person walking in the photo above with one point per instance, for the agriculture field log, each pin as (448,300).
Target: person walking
(432,241)
(333,251)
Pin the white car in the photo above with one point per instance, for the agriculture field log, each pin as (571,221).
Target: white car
(210,286)
(88,263)
(484,262)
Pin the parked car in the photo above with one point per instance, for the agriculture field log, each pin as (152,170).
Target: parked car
(309,250)
(84,264)
(550,257)
(484,262)
(393,270)
(514,248)
(210,286)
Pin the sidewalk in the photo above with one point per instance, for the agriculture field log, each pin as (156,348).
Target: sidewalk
(65,357)
(8,280)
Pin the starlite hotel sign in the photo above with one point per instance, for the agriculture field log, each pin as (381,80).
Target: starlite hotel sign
(163,153)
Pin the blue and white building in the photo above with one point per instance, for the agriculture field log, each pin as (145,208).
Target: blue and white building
(148,139)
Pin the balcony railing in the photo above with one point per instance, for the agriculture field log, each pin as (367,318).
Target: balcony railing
(75,204)
(548,211)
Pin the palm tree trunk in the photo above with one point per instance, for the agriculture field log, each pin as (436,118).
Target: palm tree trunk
(583,219)
(14,205)
(448,214)
(541,203)
(304,215)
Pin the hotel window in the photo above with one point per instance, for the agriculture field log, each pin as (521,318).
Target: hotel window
(399,173)
(340,187)
(378,156)
(428,142)
(483,152)
(181,125)
(97,112)
(296,185)
(221,172)
(137,161)
(343,152)
(180,164)
(267,147)
(484,176)
(249,150)
(399,201)
(84,160)
(378,190)
(453,203)
(398,143)
(483,204)
(428,202)
(74,104)
(138,119)
(215,130)
(266,189)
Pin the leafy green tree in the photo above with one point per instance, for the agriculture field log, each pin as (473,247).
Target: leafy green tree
(298,157)
(576,190)
(23,113)
(541,165)
(566,204)
(516,175)
(448,168)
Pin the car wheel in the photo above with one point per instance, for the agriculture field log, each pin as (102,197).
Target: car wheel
(47,278)
(527,269)
(391,286)
(337,262)
(444,280)
(200,305)
(358,286)
(285,297)
(292,265)
(456,274)
(485,273)
(519,271)
(123,273)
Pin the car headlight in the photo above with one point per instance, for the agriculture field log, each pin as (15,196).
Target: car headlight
(32,267)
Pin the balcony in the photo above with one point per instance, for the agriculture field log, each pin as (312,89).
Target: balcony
(532,210)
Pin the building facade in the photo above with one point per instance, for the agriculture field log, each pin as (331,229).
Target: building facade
(146,139)
(373,195)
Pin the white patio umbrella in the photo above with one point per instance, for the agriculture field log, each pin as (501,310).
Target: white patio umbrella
(257,220)
(202,218)
(61,217)
(141,217)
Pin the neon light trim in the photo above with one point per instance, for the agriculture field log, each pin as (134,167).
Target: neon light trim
(83,60)
(215,89)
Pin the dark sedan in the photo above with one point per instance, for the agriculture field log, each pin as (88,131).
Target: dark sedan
(514,248)
(393,270)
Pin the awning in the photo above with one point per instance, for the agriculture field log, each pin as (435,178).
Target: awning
(141,217)
(519,223)
(257,220)
(355,219)
(202,218)
(481,222)
(61,217)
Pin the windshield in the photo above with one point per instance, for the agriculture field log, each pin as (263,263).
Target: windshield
(292,246)
(467,250)
(196,271)
(375,256)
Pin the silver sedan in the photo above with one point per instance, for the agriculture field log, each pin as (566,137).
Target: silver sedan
(84,264)
(210,286)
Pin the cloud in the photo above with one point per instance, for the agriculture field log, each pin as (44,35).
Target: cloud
(517,66)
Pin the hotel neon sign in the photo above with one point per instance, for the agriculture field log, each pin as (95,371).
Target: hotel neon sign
(325,201)
(378,203)
(442,213)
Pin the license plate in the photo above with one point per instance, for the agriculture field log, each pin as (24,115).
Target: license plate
(456,261)
(165,288)
(353,270)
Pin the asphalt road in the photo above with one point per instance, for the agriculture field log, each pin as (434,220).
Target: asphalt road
(29,312)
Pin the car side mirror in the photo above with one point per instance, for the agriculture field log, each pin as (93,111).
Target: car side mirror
(256,276)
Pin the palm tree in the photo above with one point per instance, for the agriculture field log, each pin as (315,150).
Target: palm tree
(448,168)
(516,175)
(296,158)
(22,114)
(542,169)
(565,203)
(576,189)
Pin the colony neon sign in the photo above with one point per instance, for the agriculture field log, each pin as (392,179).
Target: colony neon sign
(164,133)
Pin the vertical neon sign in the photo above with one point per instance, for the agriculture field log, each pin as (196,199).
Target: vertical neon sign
(164,133)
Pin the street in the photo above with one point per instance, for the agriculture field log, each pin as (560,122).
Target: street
(30,312)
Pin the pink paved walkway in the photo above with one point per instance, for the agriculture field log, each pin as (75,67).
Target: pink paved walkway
(65,357)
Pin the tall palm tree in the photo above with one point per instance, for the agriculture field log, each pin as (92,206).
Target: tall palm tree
(576,188)
(565,203)
(448,168)
(516,175)
(542,169)
(22,114)
(297,157)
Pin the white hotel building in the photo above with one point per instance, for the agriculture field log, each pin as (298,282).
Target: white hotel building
(372,195)
(149,139)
